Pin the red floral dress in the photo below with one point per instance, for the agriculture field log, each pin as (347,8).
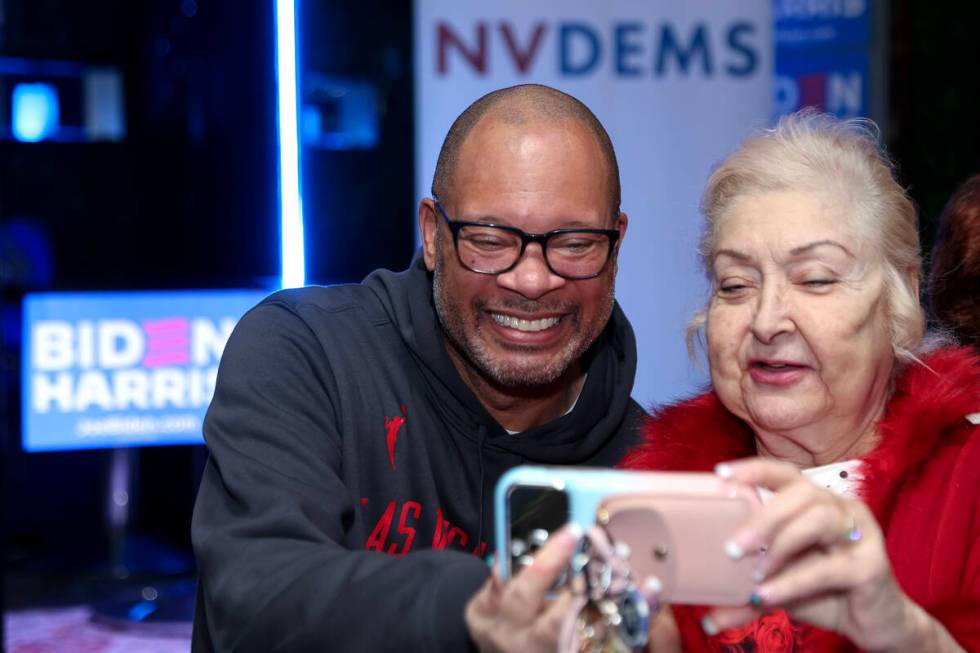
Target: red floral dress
(772,633)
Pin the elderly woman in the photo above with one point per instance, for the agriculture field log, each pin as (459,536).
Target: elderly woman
(820,379)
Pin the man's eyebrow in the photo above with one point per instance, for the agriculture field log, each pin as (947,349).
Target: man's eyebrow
(571,223)
(804,249)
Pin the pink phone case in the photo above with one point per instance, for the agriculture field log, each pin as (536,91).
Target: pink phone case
(677,533)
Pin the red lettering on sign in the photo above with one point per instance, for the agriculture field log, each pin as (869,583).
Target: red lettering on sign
(522,59)
(446,38)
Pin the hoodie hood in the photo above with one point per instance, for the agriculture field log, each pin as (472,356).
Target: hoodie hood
(572,438)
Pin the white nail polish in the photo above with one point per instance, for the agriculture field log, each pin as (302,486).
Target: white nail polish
(733,550)
(758,576)
(575,530)
(708,626)
(622,549)
(652,586)
(723,470)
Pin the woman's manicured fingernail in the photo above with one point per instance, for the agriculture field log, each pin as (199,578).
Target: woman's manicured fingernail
(760,596)
(758,575)
(622,549)
(708,626)
(575,531)
(733,550)
(723,470)
(652,586)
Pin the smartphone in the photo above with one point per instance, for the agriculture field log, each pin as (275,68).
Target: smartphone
(675,524)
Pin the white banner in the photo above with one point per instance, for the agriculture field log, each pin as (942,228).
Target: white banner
(677,83)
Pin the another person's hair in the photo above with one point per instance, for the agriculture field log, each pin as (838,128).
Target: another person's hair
(518,105)
(817,153)
(954,278)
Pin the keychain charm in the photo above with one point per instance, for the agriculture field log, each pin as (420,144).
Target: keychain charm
(614,616)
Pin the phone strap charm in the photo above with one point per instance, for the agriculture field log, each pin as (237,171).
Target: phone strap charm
(612,615)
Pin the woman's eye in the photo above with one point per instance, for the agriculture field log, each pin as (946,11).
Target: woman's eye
(819,283)
(731,288)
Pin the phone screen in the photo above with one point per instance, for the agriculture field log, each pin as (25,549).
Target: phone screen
(533,514)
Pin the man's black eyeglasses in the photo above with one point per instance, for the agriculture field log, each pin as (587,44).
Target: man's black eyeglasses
(494,249)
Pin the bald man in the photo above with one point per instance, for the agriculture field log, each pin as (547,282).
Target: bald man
(357,432)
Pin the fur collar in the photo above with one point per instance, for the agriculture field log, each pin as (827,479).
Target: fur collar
(929,401)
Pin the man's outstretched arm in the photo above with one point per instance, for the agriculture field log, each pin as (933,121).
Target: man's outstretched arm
(270,518)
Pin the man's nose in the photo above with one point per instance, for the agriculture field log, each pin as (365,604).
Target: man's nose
(531,277)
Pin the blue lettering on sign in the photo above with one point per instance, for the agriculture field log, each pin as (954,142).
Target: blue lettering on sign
(737,45)
(698,45)
(568,34)
(626,47)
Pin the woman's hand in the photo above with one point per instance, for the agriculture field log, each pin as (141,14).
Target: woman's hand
(825,564)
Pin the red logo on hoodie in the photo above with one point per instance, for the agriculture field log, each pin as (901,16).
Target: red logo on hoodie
(392,426)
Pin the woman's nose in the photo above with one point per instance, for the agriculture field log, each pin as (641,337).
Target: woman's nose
(772,316)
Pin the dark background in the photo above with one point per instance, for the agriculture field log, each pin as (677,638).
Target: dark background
(189,200)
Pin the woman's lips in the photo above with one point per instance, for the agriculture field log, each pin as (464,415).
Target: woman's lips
(776,372)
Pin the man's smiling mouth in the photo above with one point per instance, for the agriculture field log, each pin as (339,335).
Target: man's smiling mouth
(521,324)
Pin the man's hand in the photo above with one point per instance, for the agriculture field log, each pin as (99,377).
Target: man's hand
(518,616)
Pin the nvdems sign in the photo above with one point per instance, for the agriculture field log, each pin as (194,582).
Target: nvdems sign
(677,83)
(122,369)
(627,48)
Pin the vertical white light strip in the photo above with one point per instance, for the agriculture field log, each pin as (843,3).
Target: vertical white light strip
(293,262)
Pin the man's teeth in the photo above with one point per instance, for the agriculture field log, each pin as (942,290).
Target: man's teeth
(524,325)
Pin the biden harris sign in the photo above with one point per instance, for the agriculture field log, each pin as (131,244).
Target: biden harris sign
(123,368)
(677,83)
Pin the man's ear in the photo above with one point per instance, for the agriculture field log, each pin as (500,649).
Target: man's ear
(429,231)
(621,223)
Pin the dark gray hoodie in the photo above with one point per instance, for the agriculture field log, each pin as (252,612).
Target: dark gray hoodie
(347,502)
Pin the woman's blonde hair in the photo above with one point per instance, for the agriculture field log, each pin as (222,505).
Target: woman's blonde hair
(843,159)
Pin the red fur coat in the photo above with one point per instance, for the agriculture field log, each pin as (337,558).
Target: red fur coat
(922,482)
